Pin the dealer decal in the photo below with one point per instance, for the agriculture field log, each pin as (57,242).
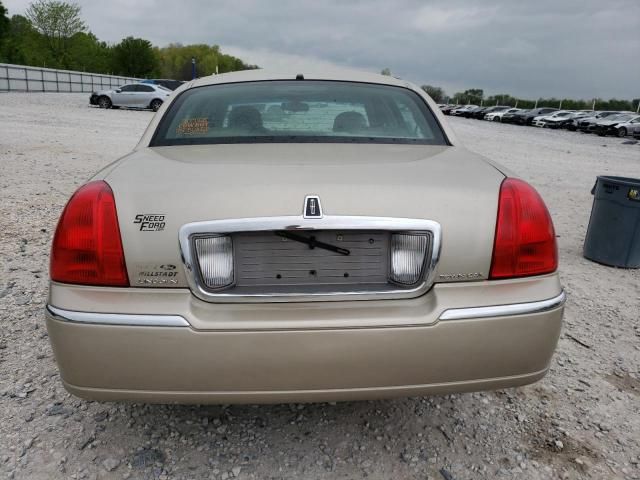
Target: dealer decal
(193,126)
(156,274)
(150,222)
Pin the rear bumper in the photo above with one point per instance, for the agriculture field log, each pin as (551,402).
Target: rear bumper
(131,357)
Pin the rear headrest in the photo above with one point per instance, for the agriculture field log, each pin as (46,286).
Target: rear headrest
(349,122)
(245,117)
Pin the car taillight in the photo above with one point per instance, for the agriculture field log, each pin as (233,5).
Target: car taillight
(87,248)
(525,241)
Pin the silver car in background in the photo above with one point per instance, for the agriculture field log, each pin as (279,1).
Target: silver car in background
(132,95)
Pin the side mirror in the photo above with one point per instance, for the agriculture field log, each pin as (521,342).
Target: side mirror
(118,90)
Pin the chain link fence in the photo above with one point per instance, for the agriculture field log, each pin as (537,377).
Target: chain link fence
(21,78)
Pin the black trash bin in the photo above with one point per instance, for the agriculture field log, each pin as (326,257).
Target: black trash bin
(613,236)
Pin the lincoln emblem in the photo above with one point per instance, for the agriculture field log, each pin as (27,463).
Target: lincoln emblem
(312,207)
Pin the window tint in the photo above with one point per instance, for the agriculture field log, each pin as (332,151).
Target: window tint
(128,88)
(298,111)
(144,88)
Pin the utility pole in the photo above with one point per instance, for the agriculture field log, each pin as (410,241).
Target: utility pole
(536,105)
(593,107)
(193,68)
(560,107)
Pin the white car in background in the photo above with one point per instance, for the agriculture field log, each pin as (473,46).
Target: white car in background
(132,95)
(554,120)
(497,116)
(462,110)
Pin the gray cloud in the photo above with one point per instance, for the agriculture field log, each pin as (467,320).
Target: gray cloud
(569,48)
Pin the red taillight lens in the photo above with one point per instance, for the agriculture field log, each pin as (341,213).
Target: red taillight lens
(525,242)
(87,248)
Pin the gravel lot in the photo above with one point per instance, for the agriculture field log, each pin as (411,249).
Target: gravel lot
(581,421)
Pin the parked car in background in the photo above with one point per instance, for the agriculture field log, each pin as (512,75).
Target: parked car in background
(132,95)
(526,118)
(447,109)
(480,114)
(461,111)
(496,116)
(509,117)
(619,125)
(471,113)
(583,124)
(332,252)
(575,116)
(165,82)
(553,120)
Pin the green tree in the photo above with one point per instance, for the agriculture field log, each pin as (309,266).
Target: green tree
(472,95)
(57,21)
(4,32)
(501,99)
(436,93)
(135,57)
(4,23)
(23,45)
(175,61)
(386,71)
(87,53)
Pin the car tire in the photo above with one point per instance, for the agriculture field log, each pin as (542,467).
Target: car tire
(104,102)
(622,132)
(155,104)
(496,119)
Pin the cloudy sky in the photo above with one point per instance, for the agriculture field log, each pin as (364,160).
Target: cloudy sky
(530,48)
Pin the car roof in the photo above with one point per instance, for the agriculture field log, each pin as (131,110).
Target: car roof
(307,74)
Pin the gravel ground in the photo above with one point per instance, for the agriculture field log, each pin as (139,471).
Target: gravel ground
(581,421)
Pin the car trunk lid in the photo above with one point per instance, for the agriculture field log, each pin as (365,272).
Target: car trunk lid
(158,190)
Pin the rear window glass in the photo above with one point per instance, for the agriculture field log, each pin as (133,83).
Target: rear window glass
(298,111)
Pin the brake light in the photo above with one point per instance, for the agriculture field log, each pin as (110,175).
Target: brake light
(87,248)
(525,241)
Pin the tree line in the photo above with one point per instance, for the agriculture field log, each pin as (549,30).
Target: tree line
(475,96)
(52,34)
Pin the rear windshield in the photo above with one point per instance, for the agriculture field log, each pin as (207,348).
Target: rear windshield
(298,111)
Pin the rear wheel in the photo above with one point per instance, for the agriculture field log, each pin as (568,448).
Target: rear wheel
(496,119)
(104,102)
(622,132)
(155,104)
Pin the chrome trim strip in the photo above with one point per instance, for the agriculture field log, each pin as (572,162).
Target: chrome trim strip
(118,318)
(298,223)
(504,310)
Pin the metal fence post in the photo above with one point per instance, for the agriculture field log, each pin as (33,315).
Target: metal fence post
(26,79)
